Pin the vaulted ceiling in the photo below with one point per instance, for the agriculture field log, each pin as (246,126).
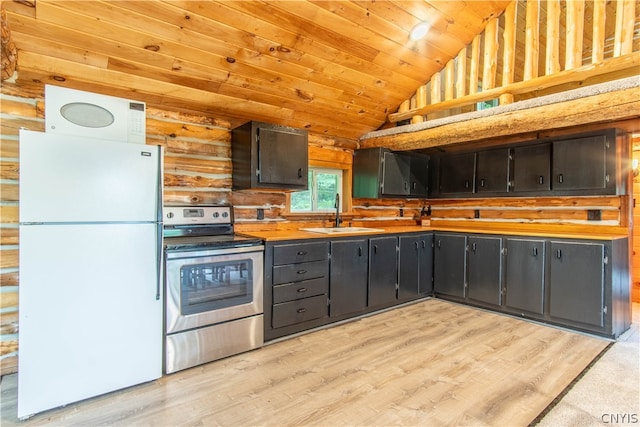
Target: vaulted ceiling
(333,67)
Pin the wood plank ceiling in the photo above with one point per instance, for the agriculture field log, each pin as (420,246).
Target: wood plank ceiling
(334,67)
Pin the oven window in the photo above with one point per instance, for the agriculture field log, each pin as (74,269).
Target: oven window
(209,286)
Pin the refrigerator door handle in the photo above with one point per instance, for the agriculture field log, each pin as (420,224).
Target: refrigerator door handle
(159,256)
(159,217)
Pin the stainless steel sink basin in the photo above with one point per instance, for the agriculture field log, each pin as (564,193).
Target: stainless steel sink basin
(341,230)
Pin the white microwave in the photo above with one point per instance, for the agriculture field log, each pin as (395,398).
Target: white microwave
(92,115)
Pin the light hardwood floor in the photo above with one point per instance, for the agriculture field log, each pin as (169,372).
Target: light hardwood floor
(429,363)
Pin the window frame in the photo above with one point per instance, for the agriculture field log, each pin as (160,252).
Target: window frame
(313,170)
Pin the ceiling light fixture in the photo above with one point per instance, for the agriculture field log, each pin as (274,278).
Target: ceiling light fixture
(419,31)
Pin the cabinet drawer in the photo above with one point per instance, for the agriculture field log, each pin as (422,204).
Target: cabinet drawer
(298,290)
(295,253)
(289,313)
(297,272)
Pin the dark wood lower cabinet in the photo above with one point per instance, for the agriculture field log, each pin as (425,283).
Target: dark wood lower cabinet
(583,284)
(383,271)
(415,269)
(450,264)
(524,276)
(484,284)
(577,283)
(348,277)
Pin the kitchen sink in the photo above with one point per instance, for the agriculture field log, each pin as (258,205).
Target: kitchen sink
(341,230)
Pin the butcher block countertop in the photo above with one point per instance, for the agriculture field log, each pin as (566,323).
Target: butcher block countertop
(547,232)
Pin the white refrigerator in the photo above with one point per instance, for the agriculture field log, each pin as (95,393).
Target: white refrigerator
(90,308)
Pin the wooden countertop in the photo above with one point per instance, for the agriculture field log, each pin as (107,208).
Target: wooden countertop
(278,235)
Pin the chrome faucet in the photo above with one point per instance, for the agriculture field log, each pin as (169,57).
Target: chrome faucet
(338,220)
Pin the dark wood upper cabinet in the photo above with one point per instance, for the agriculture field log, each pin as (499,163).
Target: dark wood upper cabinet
(379,172)
(579,165)
(457,174)
(531,168)
(269,156)
(584,164)
(492,171)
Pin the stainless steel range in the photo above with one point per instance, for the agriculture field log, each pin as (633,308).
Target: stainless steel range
(214,287)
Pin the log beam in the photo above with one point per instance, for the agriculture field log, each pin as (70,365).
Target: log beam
(602,108)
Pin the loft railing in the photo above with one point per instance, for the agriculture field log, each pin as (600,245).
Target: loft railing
(534,48)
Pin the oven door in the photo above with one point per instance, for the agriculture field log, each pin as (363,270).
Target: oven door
(212,286)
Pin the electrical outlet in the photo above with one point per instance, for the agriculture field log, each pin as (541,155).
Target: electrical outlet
(401,212)
(260,213)
(476,213)
(594,215)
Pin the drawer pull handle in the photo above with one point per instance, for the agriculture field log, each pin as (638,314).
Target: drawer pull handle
(302,271)
(535,251)
(559,254)
(541,180)
(301,310)
(359,250)
(302,290)
(417,245)
(302,252)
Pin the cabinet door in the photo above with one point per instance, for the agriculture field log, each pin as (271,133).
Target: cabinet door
(457,172)
(524,275)
(532,168)
(409,267)
(383,270)
(395,174)
(580,164)
(485,266)
(367,172)
(577,282)
(449,264)
(282,158)
(493,171)
(419,175)
(415,268)
(348,277)
(426,263)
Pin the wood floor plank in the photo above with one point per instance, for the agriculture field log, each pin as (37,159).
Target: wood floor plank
(429,363)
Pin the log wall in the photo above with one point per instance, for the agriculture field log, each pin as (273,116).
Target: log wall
(198,171)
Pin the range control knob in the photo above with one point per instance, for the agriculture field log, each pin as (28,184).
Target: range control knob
(216,214)
(170,215)
(225,214)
